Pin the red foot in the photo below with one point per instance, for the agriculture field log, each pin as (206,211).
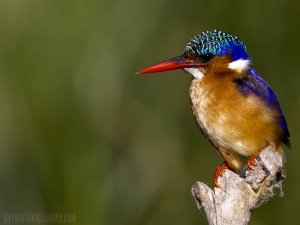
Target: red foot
(251,161)
(219,171)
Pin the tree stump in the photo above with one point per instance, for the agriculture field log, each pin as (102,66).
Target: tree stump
(238,196)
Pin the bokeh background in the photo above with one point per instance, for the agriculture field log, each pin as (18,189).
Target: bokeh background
(81,133)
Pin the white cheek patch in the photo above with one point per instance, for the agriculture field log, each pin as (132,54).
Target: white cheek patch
(239,65)
(195,72)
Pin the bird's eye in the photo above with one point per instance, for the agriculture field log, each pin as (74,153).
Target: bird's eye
(207,57)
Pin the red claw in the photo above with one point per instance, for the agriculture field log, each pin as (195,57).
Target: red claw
(219,171)
(252,160)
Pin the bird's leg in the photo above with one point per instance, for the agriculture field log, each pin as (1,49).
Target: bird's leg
(219,171)
(251,161)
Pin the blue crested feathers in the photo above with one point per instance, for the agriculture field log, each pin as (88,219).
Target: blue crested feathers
(217,43)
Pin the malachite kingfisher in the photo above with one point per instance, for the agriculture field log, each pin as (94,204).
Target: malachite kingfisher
(232,104)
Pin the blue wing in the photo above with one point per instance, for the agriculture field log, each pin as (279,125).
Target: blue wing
(252,83)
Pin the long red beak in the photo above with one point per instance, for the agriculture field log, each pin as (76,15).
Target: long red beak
(178,62)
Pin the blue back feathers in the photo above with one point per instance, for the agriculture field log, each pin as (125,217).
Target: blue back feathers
(217,43)
(252,83)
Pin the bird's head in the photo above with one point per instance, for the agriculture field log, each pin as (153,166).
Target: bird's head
(204,51)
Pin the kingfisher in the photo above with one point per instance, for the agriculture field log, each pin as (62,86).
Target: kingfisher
(232,104)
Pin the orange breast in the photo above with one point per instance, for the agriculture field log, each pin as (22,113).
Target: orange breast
(240,124)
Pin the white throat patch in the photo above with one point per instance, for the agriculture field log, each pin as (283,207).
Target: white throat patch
(195,72)
(239,65)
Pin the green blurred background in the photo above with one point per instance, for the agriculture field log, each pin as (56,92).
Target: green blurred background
(81,133)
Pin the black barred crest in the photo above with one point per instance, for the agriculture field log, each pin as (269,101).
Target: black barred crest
(217,43)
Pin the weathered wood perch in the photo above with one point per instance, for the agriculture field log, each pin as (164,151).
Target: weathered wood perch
(238,196)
